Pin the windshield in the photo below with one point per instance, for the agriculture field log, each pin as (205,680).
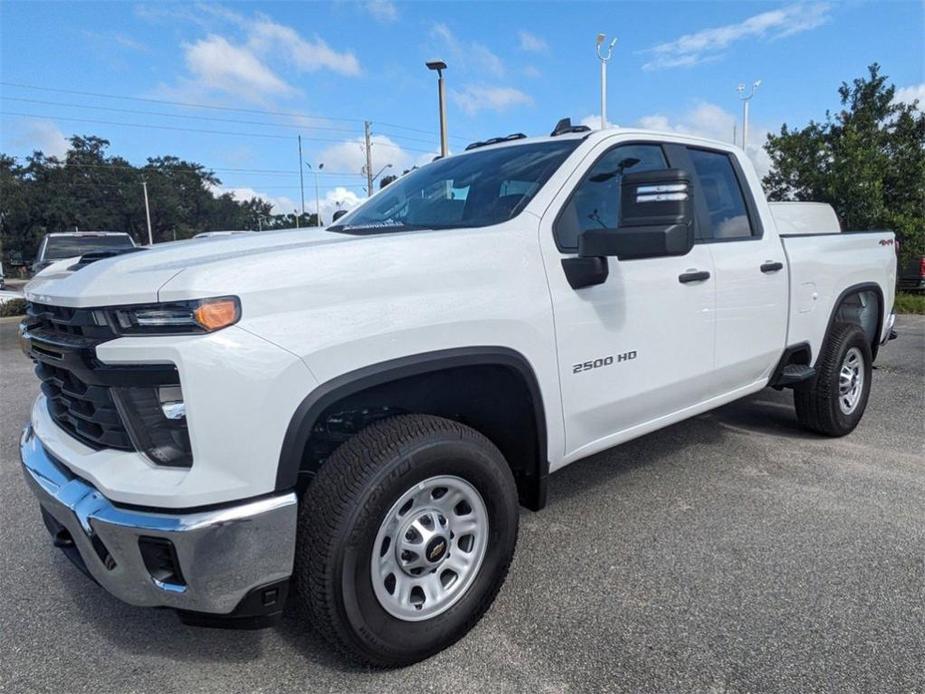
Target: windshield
(474,190)
(60,247)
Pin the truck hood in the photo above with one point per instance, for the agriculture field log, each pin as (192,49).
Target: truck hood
(139,277)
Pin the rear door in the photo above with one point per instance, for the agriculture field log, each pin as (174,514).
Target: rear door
(750,270)
(639,346)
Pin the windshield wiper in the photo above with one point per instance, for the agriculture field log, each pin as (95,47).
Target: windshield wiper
(377,227)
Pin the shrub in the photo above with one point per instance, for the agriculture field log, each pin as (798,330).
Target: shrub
(13,307)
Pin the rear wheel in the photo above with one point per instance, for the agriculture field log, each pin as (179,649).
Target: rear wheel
(835,401)
(405,537)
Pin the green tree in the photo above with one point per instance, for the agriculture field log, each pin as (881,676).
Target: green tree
(91,189)
(867,161)
(386,180)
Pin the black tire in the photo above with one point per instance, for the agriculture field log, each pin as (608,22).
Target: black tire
(817,403)
(340,516)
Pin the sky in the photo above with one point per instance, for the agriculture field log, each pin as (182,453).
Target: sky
(233,85)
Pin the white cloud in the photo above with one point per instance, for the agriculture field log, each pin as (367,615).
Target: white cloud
(593,121)
(350,156)
(715,123)
(382,10)
(281,203)
(907,95)
(473,98)
(532,43)
(708,44)
(42,135)
(127,41)
(267,36)
(219,66)
(244,55)
(470,56)
(338,199)
(334,199)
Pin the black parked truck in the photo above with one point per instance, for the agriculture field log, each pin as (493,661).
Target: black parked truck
(73,244)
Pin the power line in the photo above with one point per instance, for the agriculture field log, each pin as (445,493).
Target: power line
(161,114)
(268,172)
(177,115)
(186,104)
(150,126)
(130,185)
(158,127)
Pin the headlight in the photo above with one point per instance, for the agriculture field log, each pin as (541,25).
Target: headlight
(197,316)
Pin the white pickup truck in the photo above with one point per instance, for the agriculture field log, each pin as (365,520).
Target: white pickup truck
(357,413)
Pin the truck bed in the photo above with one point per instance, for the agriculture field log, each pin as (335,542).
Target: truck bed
(824,267)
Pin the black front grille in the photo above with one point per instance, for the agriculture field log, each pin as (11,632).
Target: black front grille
(67,321)
(86,412)
(62,341)
(78,387)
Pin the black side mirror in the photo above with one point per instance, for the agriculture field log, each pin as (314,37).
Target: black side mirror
(338,214)
(656,219)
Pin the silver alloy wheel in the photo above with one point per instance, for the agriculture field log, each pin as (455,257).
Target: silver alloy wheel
(851,381)
(429,548)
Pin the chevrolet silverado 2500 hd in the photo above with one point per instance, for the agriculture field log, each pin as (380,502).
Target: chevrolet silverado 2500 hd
(352,417)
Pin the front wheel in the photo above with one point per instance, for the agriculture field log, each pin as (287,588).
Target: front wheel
(405,537)
(834,402)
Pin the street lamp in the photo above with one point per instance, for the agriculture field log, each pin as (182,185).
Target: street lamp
(317,199)
(604,60)
(745,99)
(373,178)
(387,166)
(440,66)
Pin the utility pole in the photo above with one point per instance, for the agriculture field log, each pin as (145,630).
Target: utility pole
(734,134)
(369,159)
(745,99)
(604,60)
(144,185)
(301,177)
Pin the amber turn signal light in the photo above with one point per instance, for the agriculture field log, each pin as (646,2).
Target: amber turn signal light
(216,314)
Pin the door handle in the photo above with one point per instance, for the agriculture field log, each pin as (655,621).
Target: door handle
(772,266)
(695,276)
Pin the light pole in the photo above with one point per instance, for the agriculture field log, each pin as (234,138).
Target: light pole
(301,177)
(604,60)
(317,199)
(371,177)
(144,185)
(387,166)
(440,66)
(745,99)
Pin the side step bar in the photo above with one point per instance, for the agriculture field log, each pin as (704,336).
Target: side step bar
(795,373)
(793,367)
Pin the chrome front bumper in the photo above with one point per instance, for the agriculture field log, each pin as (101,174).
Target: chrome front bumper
(223,555)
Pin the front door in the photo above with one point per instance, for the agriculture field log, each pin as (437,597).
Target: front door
(638,347)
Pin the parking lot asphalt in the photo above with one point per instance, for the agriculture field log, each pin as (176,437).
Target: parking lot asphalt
(731,552)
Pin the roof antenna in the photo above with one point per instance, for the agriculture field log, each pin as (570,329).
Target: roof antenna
(565,126)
